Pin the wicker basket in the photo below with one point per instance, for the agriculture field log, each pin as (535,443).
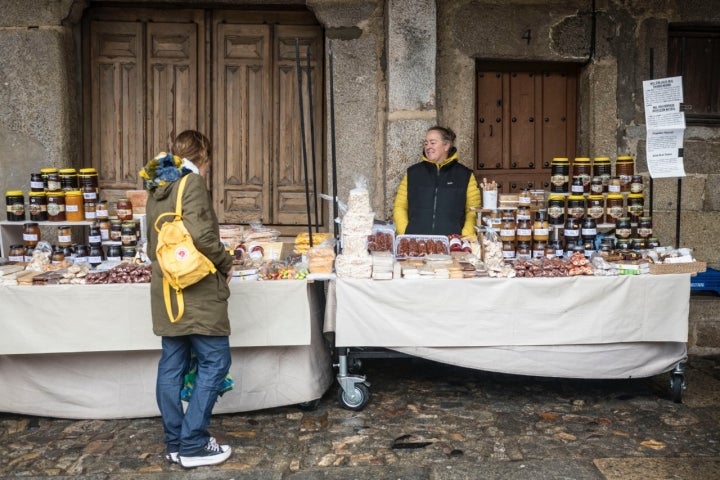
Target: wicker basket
(690,267)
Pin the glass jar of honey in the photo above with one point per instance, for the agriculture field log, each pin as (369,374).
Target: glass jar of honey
(524,231)
(56,206)
(582,168)
(625,169)
(31,235)
(596,207)
(556,209)
(38,206)
(559,175)
(576,206)
(15,205)
(124,210)
(74,206)
(614,208)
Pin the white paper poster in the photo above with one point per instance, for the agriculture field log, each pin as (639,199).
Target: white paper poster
(665,124)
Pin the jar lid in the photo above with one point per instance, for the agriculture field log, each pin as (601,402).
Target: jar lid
(582,159)
(37,194)
(31,224)
(615,196)
(73,193)
(48,170)
(556,197)
(625,158)
(636,195)
(14,193)
(56,194)
(602,159)
(598,196)
(67,171)
(560,159)
(576,197)
(88,171)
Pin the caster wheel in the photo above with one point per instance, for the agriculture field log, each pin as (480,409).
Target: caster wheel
(309,406)
(362,397)
(676,387)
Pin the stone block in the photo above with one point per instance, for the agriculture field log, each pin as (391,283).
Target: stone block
(692,194)
(411,51)
(24,13)
(712,192)
(698,230)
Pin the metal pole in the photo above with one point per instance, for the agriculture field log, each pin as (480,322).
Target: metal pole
(332,145)
(312,140)
(302,135)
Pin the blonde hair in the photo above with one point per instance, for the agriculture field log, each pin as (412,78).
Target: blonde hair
(194,146)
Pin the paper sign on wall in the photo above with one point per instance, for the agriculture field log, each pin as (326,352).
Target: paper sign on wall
(665,124)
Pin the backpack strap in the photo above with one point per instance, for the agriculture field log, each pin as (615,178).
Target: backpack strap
(166,285)
(168,302)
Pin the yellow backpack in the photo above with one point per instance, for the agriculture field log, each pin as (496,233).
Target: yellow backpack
(181,263)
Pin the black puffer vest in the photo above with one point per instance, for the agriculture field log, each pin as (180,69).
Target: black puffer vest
(437,197)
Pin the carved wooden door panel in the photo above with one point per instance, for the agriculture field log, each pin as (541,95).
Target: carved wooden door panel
(526,115)
(242,123)
(288,199)
(146,83)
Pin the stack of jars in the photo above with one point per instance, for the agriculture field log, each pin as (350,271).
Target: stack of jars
(525,234)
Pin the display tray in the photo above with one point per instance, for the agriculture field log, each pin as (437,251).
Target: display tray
(666,268)
(402,240)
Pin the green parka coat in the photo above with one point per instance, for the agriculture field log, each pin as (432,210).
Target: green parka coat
(206,302)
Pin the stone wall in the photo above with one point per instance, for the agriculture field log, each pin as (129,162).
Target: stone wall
(401,66)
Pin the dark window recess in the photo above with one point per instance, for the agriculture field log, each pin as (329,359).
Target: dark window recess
(694,54)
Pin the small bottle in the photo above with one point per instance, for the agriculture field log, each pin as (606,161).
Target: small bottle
(124,210)
(64,236)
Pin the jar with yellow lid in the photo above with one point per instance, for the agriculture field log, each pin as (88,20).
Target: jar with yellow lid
(556,209)
(56,206)
(37,205)
(44,172)
(582,168)
(613,207)
(559,175)
(15,205)
(576,206)
(602,167)
(596,207)
(625,169)
(68,179)
(74,206)
(635,205)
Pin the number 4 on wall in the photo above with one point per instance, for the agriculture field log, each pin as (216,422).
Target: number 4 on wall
(527,35)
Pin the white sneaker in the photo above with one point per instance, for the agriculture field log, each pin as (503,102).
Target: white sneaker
(172,457)
(211,454)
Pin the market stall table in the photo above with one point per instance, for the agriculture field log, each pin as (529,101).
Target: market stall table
(571,327)
(88,351)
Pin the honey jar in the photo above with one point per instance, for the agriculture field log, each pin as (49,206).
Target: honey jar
(559,175)
(624,170)
(576,206)
(38,206)
(64,236)
(15,205)
(74,207)
(31,235)
(582,168)
(16,253)
(56,206)
(596,207)
(613,207)
(124,210)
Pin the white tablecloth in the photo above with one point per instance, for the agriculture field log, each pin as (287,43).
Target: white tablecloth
(89,352)
(580,327)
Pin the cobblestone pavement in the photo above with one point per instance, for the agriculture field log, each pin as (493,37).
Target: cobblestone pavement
(424,421)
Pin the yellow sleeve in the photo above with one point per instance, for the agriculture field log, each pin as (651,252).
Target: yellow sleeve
(400,208)
(472,202)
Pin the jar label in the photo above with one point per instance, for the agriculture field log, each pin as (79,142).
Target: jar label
(508,253)
(615,211)
(64,238)
(18,258)
(644,231)
(538,253)
(524,232)
(614,188)
(572,233)
(507,233)
(596,211)
(54,209)
(577,212)
(94,238)
(94,259)
(114,258)
(124,213)
(524,200)
(37,185)
(559,180)
(101,212)
(90,195)
(30,237)
(555,211)
(89,215)
(588,232)
(105,234)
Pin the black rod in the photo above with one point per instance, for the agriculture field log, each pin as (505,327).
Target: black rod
(332,145)
(302,139)
(677,213)
(652,76)
(312,140)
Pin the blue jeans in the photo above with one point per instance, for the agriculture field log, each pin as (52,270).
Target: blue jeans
(186,432)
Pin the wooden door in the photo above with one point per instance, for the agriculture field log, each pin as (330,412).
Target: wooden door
(526,115)
(145,84)
(150,76)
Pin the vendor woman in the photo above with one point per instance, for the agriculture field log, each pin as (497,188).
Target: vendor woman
(438,195)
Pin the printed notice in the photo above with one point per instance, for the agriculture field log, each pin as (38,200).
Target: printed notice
(665,124)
